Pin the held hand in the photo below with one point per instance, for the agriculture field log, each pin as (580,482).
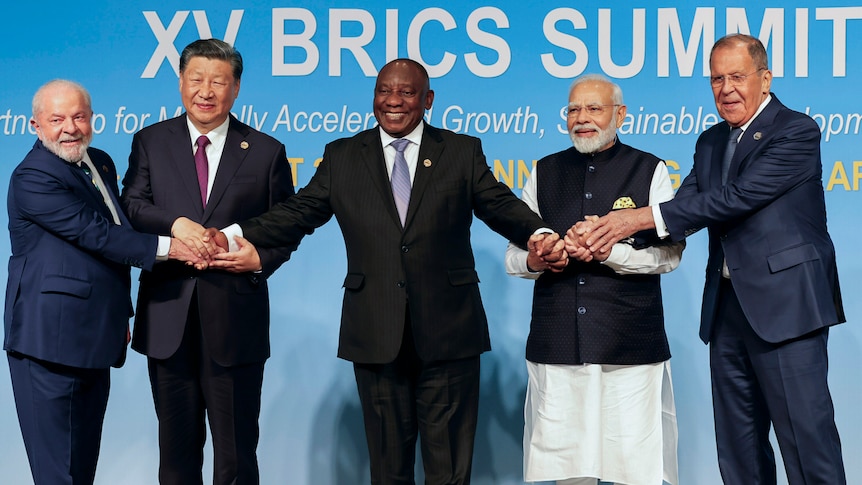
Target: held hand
(546,252)
(192,235)
(180,252)
(575,240)
(241,261)
(616,226)
(217,237)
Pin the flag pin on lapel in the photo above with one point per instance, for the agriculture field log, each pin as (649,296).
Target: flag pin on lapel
(244,145)
(427,163)
(758,135)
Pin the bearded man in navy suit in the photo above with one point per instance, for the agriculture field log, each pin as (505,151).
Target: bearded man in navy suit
(771,289)
(67,297)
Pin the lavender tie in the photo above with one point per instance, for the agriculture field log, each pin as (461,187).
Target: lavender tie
(401,178)
(202,166)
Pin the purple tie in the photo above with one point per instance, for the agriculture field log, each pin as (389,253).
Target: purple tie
(202,166)
(401,178)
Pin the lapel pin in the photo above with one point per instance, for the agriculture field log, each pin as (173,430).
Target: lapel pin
(758,135)
(244,145)
(427,163)
(105,168)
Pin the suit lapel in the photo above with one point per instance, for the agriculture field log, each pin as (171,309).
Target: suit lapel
(371,155)
(235,150)
(429,158)
(757,132)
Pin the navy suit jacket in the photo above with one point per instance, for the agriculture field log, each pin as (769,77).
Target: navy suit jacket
(160,186)
(768,221)
(428,264)
(67,297)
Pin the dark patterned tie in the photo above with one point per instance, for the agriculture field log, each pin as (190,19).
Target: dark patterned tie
(728,154)
(401,178)
(202,166)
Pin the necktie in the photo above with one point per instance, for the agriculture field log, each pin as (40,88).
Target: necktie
(84,165)
(401,178)
(202,166)
(728,154)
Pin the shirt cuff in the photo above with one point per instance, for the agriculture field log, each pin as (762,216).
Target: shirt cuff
(163,249)
(229,232)
(660,226)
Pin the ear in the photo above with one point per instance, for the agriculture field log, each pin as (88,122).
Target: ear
(621,115)
(767,82)
(429,99)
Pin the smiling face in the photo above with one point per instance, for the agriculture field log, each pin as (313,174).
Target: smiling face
(401,96)
(737,104)
(62,121)
(208,90)
(594,132)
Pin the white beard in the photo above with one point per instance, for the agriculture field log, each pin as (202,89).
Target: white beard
(593,144)
(71,155)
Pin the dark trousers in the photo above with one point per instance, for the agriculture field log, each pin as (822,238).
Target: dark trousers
(438,401)
(756,383)
(190,387)
(60,410)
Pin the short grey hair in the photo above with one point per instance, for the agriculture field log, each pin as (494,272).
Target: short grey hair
(616,96)
(39,97)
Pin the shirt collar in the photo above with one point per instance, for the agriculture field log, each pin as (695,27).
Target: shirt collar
(757,113)
(414,136)
(216,134)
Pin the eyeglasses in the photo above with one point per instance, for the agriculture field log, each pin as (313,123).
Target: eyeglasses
(591,110)
(732,79)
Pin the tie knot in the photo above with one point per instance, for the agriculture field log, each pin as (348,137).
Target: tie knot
(400,144)
(734,134)
(202,141)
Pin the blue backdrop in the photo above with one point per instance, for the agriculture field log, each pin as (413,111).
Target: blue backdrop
(501,72)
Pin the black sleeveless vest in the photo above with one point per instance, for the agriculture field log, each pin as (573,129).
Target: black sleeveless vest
(588,313)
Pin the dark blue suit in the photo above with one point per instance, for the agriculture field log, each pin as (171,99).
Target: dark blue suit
(767,325)
(67,308)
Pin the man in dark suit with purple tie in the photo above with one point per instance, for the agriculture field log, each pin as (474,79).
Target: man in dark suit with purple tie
(67,297)
(206,334)
(771,289)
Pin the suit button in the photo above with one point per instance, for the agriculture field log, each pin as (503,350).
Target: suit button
(404,249)
(591,169)
(588,195)
(582,310)
(401,284)
(582,280)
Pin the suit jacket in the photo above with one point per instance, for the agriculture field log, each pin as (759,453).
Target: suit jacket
(768,221)
(160,186)
(427,267)
(67,297)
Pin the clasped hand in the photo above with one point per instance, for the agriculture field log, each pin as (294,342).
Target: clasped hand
(208,248)
(546,251)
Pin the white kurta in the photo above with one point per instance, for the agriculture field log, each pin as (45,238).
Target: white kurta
(613,422)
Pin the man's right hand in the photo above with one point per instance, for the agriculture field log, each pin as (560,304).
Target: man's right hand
(217,237)
(192,235)
(181,252)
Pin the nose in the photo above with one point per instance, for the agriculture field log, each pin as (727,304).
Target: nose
(205,91)
(69,125)
(394,99)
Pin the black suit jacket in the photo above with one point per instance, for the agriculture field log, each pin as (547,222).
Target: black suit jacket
(428,266)
(160,186)
(768,221)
